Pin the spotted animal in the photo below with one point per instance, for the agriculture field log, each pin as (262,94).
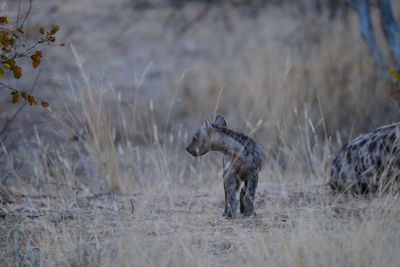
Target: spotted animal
(241,163)
(369,162)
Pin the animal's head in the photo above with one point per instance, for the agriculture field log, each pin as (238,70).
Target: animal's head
(202,140)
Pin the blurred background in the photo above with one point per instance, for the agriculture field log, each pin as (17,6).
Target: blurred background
(302,77)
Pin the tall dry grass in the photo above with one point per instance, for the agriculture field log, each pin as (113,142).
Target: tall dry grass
(106,180)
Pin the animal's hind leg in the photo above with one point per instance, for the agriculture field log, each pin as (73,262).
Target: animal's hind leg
(242,194)
(248,199)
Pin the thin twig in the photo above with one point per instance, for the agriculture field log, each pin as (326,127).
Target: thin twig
(203,13)
(26,50)
(39,41)
(32,47)
(18,13)
(36,79)
(32,88)
(8,87)
(21,107)
(27,14)
(11,120)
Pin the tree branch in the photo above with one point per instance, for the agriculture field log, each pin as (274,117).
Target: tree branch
(18,13)
(8,87)
(197,19)
(352,3)
(21,107)
(27,14)
(366,29)
(390,28)
(25,51)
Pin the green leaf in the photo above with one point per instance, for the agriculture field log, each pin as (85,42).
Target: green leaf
(17,71)
(395,73)
(54,29)
(3,20)
(395,77)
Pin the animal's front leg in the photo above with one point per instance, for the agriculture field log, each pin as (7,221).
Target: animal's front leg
(226,203)
(225,165)
(231,186)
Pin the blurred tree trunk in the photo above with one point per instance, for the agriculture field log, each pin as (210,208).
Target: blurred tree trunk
(333,6)
(317,7)
(314,4)
(337,7)
(362,8)
(390,28)
(301,7)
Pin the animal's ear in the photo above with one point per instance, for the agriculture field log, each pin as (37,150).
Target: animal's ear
(220,121)
(206,125)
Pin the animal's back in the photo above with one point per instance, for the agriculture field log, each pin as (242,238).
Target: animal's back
(361,163)
(251,157)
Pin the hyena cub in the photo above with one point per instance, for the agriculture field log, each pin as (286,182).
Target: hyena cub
(369,161)
(241,163)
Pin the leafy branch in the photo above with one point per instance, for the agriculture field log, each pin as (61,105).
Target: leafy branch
(13,49)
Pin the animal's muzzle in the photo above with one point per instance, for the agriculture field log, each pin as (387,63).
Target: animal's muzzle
(191,151)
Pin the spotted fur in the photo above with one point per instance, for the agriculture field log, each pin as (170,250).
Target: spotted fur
(242,162)
(370,161)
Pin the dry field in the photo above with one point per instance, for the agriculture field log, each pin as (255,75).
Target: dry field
(101,178)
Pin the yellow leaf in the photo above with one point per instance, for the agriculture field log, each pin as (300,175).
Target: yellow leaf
(35,61)
(1,73)
(15,97)
(31,100)
(17,72)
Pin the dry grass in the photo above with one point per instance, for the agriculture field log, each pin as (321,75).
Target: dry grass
(106,181)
